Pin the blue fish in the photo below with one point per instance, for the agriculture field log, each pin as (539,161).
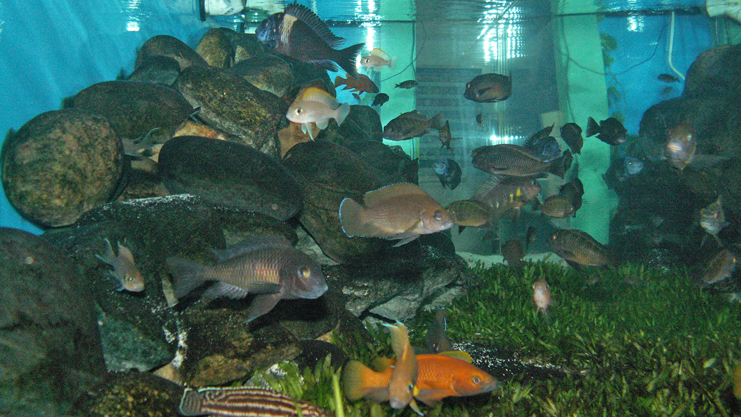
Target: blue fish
(633,165)
(448,172)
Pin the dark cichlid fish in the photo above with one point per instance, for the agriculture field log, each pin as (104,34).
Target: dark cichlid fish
(245,402)
(489,88)
(300,34)
(411,125)
(380,99)
(667,78)
(571,134)
(472,213)
(610,131)
(436,339)
(513,251)
(546,149)
(265,265)
(579,249)
(507,193)
(407,84)
(712,219)
(517,161)
(573,191)
(448,172)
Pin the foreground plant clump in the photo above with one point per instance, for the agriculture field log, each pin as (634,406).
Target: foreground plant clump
(632,341)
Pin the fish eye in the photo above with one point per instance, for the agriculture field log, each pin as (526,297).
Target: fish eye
(437,215)
(303,272)
(299,110)
(128,278)
(476,380)
(410,387)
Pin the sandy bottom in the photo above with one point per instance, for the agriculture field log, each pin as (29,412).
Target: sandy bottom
(488,260)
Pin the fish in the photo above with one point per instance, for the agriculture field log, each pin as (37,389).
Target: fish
(556,206)
(411,125)
(480,118)
(571,134)
(573,191)
(542,297)
(610,131)
(513,252)
(681,146)
(362,84)
(505,159)
(632,165)
(471,213)
(300,34)
(546,149)
(377,59)
(245,402)
(407,84)
(400,211)
(489,88)
(445,136)
(713,220)
(265,265)
(667,78)
(404,375)
(579,249)
(439,376)
(503,194)
(718,268)
(316,106)
(436,339)
(666,90)
(529,236)
(448,172)
(380,99)
(124,267)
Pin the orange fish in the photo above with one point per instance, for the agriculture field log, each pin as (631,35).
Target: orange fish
(439,376)
(404,374)
(542,297)
(361,85)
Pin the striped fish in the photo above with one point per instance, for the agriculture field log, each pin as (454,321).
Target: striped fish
(245,402)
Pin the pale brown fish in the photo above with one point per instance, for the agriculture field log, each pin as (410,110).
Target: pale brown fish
(410,125)
(471,213)
(556,206)
(377,59)
(718,268)
(404,375)
(436,339)
(124,267)
(316,106)
(713,220)
(542,297)
(579,249)
(399,211)
(681,146)
(245,402)
(515,160)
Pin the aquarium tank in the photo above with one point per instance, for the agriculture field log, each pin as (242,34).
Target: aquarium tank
(370,208)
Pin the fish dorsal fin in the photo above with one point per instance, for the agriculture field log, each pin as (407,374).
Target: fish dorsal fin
(390,191)
(316,24)
(125,252)
(321,96)
(251,244)
(485,188)
(458,354)
(380,53)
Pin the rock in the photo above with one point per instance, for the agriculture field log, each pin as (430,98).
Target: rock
(51,348)
(229,175)
(267,72)
(216,48)
(715,72)
(233,105)
(245,45)
(158,69)
(368,120)
(391,162)
(137,110)
(131,394)
(165,45)
(328,173)
(61,164)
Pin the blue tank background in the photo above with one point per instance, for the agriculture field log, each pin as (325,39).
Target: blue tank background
(54,49)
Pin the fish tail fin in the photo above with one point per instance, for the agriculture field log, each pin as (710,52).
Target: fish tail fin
(392,62)
(347,58)
(186,275)
(342,113)
(562,164)
(437,122)
(192,403)
(350,216)
(354,377)
(592,127)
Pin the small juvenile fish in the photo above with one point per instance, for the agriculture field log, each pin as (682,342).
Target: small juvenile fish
(399,211)
(404,375)
(445,136)
(436,340)
(407,84)
(245,402)
(542,297)
(712,219)
(377,60)
(667,78)
(316,106)
(480,118)
(380,99)
(124,268)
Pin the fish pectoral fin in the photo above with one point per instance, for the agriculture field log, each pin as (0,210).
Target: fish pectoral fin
(222,289)
(431,397)
(405,240)
(413,405)
(322,124)
(262,304)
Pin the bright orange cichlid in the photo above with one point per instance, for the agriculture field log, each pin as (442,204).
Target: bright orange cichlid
(439,376)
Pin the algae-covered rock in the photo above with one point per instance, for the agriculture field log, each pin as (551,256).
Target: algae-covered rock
(216,48)
(245,45)
(51,350)
(61,164)
(230,175)
(136,109)
(368,120)
(166,45)
(158,69)
(328,173)
(391,162)
(230,103)
(267,72)
(131,394)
